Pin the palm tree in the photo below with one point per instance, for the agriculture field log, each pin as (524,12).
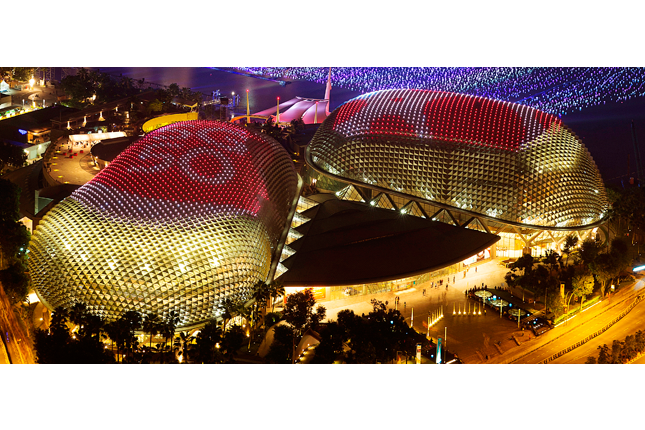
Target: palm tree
(207,343)
(261,295)
(228,310)
(183,344)
(169,325)
(276,289)
(115,331)
(130,322)
(77,313)
(152,325)
(570,243)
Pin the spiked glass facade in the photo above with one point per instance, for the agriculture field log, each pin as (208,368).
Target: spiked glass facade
(511,167)
(189,215)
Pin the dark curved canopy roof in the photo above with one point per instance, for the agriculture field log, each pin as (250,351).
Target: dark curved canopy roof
(109,149)
(348,243)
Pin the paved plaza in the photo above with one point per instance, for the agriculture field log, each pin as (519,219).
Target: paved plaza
(471,337)
(72,164)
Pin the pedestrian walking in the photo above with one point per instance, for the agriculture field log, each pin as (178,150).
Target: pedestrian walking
(405,305)
(475,270)
(453,279)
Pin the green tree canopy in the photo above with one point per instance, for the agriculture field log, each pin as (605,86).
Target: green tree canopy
(299,311)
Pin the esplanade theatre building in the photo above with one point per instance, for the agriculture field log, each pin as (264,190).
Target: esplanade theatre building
(470,162)
(191,214)
(401,187)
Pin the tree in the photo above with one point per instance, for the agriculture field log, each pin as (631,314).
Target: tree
(298,311)
(276,289)
(14,239)
(521,273)
(168,327)
(553,260)
(628,349)
(11,155)
(604,268)
(591,360)
(22,74)
(207,348)
(630,206)
(330,348)
(282,347)
(155,106)
(233,340)
(271,318)
(639,341)
(228,310)
(569,248)
(616,348)
(261,295)
(130,321)
(183,344)
(582,286)
(59,346)
(15,282)
(588,252)
(603,355)
(374,338)
(152,325)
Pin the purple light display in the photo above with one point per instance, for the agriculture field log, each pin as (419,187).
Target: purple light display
(555,90)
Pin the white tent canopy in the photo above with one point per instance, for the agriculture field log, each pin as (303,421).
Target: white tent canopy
(95,137)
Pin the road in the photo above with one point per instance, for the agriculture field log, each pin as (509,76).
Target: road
(629,325)
(580,327)
(16,342)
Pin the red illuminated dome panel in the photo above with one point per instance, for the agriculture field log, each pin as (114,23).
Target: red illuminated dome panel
(497,159)
(187,216)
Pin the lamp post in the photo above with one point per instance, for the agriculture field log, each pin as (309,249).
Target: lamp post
(277,117)
(316,114)
(445,343)
(248,112)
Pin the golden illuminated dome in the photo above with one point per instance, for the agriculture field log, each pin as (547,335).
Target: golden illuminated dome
(187,216)
(504,161)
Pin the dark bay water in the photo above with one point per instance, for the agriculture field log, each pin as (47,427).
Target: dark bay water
(262,92)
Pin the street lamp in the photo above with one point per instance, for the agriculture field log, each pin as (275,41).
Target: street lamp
(247,107)
(32,81)
(277,118)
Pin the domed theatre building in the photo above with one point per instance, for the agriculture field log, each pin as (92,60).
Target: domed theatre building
(193,213)
(474,163)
